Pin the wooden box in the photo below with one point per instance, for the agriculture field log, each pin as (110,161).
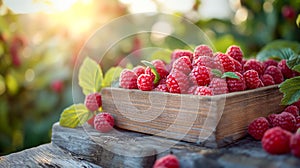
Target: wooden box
(212,121)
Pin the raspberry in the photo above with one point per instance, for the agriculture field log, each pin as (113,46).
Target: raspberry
(168,161)
(192,89)
(252,79)
(276,141)
(298,122)
(91,121)
(271,118)
(269,62)
(225,61)
(295,144)
(243,62)
(238,66)
(179,53)
(93,101)
(275,73)
(284,120)
(285,70)
(235,85)
(128,79)
(177,82)
(258,127)
(255,65)
(267,80)
(145,82)
(200,75)
(160,68)
(148,71)
(202,50)
(235,52)
(219,86)
(162,88)
(207,61)
(104,122)
(203,91)
(293,110)
(183,64)
(297,103)
(139,70)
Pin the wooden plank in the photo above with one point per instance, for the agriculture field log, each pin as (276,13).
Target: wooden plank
(47,155)
(213,121)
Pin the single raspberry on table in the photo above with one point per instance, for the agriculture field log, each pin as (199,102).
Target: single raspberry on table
(267,80)
(168,161)
(162,88)
(93,101)
(268,63)
(177,82)
(235,85)
(284,120)
(258,127)
(202,50)
(128,79)
(295,144)
(139,70)
(183,64)
(160,68)
(292,109)
(275,73)
(235,52)
(203,91)
(225,61)
(254,65)
(180,53)
(252,79)
(200,75)
(104,122)
(219,86)
(285,70)
(145,82)
(276,141)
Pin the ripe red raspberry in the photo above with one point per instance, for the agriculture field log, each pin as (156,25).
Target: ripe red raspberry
(219,86)
(298,122)
(285,70)
(203,91)
(252,79)
(258,127)
(269,62)
(177,82)
(200,75)
(160,68)
(235,52)
(267,80)
(162,88)
(139,70)
(295,145)
(93,101)
(145,82)
(168,161)
(293,110)
(275,73)
(235,85)
(206,61)
(91,121)
(254,65)
(202,50)
(276,141)
(179,53)
(284,120)
(183,64)
(297,103)
(225,61)
(104,122)
(128,79)
(238,66)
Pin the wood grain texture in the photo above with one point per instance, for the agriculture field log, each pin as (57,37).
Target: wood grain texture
(212,121)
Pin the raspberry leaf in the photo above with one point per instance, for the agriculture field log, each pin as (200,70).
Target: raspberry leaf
(153,69)
(230,75)
(75,115)
(90,76)
(216,72)
(291,90)
(297,68)
(111,76)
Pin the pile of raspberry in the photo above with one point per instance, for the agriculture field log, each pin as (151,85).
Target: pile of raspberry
(192,73)
(278,132)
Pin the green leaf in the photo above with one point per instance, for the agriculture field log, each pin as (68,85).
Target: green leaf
(90,76)
(153,69)
(293,61)
(297,68)
(279,44)
(282,53)
(217,72)
(164,55)
(75,115)
(298,21)
(291,90)
(230,75)
(111,75)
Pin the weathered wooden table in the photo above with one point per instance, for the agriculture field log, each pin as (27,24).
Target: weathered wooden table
(85,147)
